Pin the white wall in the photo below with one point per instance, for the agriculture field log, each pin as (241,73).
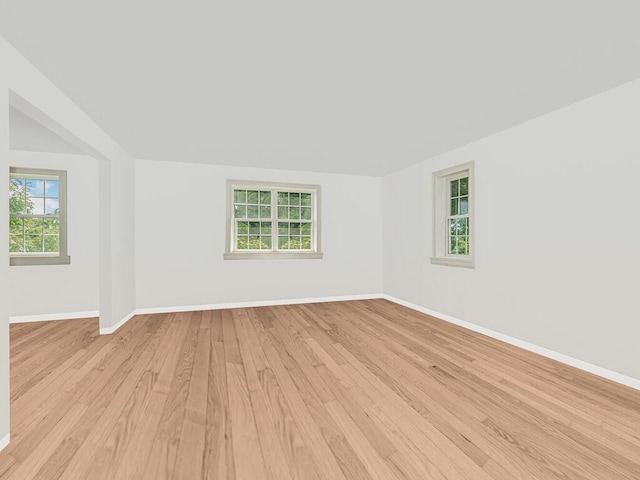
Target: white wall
(27,134)
(180,239)
(51,289)
(4,264)
(557,231)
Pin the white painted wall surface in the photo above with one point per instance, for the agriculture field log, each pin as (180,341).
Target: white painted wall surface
(51,289)
(27,134)
(4,263)
(557,231)
(180,239)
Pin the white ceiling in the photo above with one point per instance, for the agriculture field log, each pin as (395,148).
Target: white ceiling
(362,87)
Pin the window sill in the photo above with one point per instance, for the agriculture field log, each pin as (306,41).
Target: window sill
(453,262)
(25,260)
(272,255)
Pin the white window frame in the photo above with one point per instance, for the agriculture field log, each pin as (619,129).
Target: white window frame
(441,214)
(231,253)
(62,257)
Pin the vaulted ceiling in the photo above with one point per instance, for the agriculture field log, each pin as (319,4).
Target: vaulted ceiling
(363,87)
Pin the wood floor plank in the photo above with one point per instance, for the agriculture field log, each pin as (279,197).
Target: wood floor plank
(296,451)
(50,443)
(272,450)
(247,452)
(329,391)
(135,459)
(192,438)
(218,461)
(372,461)
(162,460)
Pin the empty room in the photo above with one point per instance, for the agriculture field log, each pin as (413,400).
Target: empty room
(319,240)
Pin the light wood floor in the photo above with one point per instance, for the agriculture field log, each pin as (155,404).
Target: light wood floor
(352,390)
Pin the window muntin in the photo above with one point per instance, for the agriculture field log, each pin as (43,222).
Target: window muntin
(37,217)
(274,219)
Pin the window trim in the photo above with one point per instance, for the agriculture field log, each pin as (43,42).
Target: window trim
(232,254)
(440,201)
(62,258)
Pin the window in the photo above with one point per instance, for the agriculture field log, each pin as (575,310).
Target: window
(266,220)
(37,217)
(453,216)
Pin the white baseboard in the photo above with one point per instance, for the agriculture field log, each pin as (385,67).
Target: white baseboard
(110,330)
(545,352)
(261,303)
(560,357)
(186,308)
(47,317)
(5,441)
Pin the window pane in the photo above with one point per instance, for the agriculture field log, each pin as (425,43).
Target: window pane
(306,243)
(252,196)
(35,188)
(265,198)
(294,243)
(242,243)
(240,211)
(51,243)
(51,188)
(16,244)
(265,212)
(51,206)
(283,213)
(295,229)
(454,229)
(463,245)
(305,213)
(305,199)
(33,226)
(240,196)
(305,229)
(465,226)
(37,205)
(252,211)
(294,198)
(15,226)
(33,243)
(283,243)
(265,228)
(294,213)
(453,245)
(266,241)
(17,199)
(254,228)
(51,226)
(459,226)
(455,188)
(464,205)
(283,198)
(464,186)
(283,228)
(254,242)
(454,206)
(242,228)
